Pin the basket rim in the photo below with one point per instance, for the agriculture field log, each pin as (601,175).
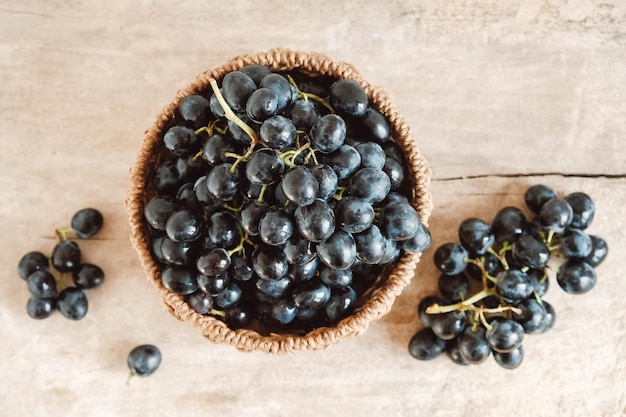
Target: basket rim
(376,305)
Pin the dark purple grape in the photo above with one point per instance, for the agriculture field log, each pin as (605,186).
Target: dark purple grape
(370,184)
(300,185)
(87,222)
(341,303)
(215,148)
(476,236)
(177,253)
(261,105)
(370,245)
(539,281)
(200,301)
(509,360)
(419,242)
(327,181)
(213,285)
(504,335)
(278,288)
(256,72)
(205,199)
(179,279)
(537,195)
(190,168)
(270,262)
(328,133)
(66,256)
(278,132)
(373,126)
(583,209)
(223,183)
(40,308)
(312,294)
(236,88)
(425,345)
(473,345)
(531,316)
(576,276)
(285,92)
(223,229)
(241,268)
(143,360)
(344,161)
(184,225)
(250,216)
(338,251)
(72,303)
(299,250)
(180,140)
(230,296)
(165,178)
(372,155)
(348,97)
(453,353)
(392,252)
(88,276)
(426,302)
(575,244)
(158,210)
(449,325)
(395,172)
(513,286)
(530,251)
(282,311)
(264,167)
(276,226)
(354,214)
(335,278)
(549,317)
(599,251)
(451,258)
(303,114)
(316,222)
(303,272)
(453,287)
(31,262)
(215,106)
(556,215)
(399,221)
(238,316)
(508,224)
(213,262)
(42,284)
(195,110)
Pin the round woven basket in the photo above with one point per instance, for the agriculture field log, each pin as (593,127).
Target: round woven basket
(379,300)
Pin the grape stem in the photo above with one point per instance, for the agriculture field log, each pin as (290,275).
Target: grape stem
(63,233)
(307,96)
(467,304)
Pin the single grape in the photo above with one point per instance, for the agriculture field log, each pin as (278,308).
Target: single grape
(354,214)
(556,215)
(236,88)
(312,294)
(72,303)
(177,253)
(575,243)
(223,183)
(531,315)
(215,148)
(86,222)
(449,325)
(530,251)
(508,224)
(576,276)
(539,280)
(256,72)
(158,210)
(230,296)
(326,179)
(335,278)
(476,236)
(599,251)
(215,106)
(241,268)
(328,133)
(282,311)
(473,345)
(184,225)
(372,155)
(513,286)
(278,132)
(338,251)
(583,209)
(215,261)
(40,308)
(451,258)
(549,317)
(42,284)
(393,251)
(88,276)
(300,185)
(305,271)
(66,256)
(373,126)
(399,221)
(453,353)
(189,168)
(200,301)
(180,140)
(537,195)
(504,335)
(344,161)
(238,316)
(510,360)
(453,287)
(250,216)
(370,184)
(426,302)
(195,110)
(370,245)
(347,97)
(276,226)
(179,279)
(303,114)
(270,262)
(285,92)
(425,345)
(165,178)
(143,360)
(316,222)
(419,242)
(298,249)
(31,262)
(213,285)
(277,288)
(261,105)
(341,303)
(223,229)
(396,173)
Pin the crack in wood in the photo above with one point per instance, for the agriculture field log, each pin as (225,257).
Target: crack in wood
(530,175)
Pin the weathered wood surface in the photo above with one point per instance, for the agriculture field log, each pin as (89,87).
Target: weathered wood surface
(500,94)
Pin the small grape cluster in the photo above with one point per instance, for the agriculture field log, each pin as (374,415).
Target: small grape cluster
(49,290)
(510,261)
(280,199)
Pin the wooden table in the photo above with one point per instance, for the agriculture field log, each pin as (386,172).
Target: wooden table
(500,95)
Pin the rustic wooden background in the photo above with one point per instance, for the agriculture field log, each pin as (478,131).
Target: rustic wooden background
(499,94)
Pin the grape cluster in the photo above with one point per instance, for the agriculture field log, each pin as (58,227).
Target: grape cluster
(47,286)
(280,199)
(510,262)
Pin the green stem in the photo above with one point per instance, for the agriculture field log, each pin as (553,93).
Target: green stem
(63,233)
(462,305)
(230,115)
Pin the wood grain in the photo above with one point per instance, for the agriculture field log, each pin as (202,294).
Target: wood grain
(500,94)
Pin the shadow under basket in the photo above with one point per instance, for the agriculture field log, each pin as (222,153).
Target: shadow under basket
(373,304)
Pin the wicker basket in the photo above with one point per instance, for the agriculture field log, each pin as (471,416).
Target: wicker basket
(379,300)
